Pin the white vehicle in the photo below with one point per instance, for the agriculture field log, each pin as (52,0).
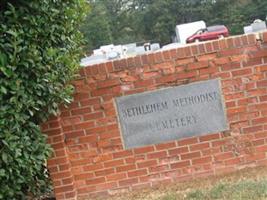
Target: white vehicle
(183,31)
(256,26)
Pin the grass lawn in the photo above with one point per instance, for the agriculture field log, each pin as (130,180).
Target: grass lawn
(246,184)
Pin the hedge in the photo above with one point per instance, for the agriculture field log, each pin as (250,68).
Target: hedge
(39,55)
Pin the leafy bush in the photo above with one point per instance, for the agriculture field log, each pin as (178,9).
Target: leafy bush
(39,54)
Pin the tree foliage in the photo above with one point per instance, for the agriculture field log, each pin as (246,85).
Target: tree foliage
(96,27)
(143,20)
(39,53)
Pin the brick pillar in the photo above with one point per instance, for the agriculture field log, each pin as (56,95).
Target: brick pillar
(59,165)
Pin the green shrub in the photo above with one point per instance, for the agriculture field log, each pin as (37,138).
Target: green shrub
(39,54)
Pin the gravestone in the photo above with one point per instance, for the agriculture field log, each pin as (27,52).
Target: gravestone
(171,113)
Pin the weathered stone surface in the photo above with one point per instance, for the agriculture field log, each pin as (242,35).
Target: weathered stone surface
(172,113)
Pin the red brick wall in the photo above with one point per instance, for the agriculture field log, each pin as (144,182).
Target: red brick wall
(89,158)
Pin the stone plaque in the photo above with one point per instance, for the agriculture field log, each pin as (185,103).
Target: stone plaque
(171,113)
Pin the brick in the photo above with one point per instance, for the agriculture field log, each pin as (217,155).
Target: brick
(134,159)
(236,110)
(90,101)
(162,181)
(261,135)
(184,61)
(180,164)
(59,145)
(230,66)
(109,66)
(254,157)
(150,58)
(130,62)
(188,52)
(253,129)
(104,172)
(95,130)
(241,72)
(88,139)
(101,92)
(114,163)
(81,111)
(93,167)
(80,96)
(83,176)
(57,161)
(237,95)
(95,181)
(150,74)
(230,104)
(147,163)
(207,57)
(221,61)
(209,47)
(184,75)
(143,150)
(166,79)
(261,148)
(246,101)
(210,70)
(194,49)
(165,145)
(138,61)
(106,186)
(262,120)
(209,137)
(232,161)
(202,160)
(102,158)
(144,83)
(257,92)
(262,68)
(215,45)
(70,195)
(264,37)
(200,146)
(109,135)
(187,141)
(262,83)
(166,55)
(117,176)
(237,42)
(93,116)
(125,168)
(122,154)
(158,57)
(63,189)
(159,154)
(190,155)
(127,182)
(223,156)
(230,42)
(175,53)
(236,51)
(258,142)
(201,48)
(178,151)
(263,98)
(144,59)
(139,172)
(198,65)
(60,152)
(140,186)
(160,168)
